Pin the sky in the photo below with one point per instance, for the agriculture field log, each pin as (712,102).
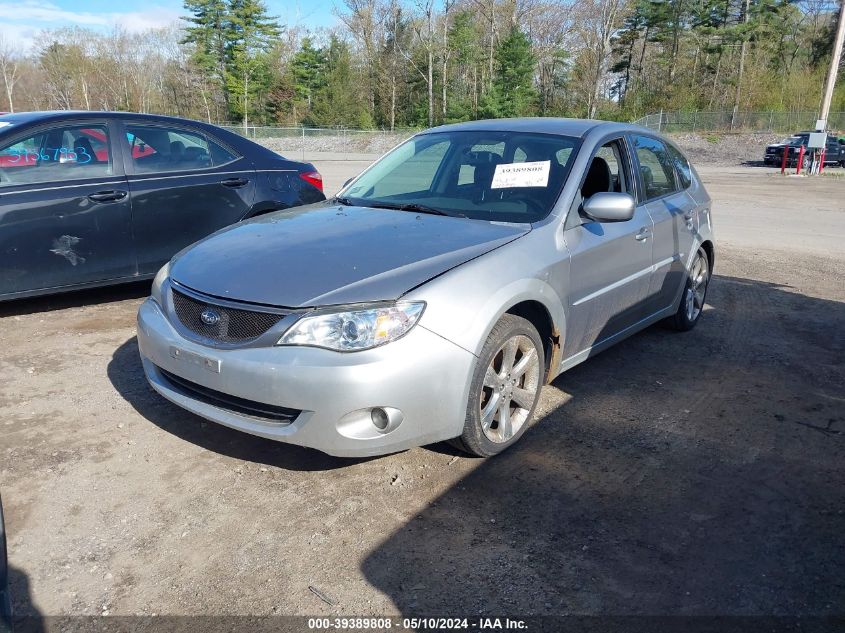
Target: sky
(22,20)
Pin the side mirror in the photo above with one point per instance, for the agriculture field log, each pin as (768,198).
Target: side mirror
(609,206)
(348,180)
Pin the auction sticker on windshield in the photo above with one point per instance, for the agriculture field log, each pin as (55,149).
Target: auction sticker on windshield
(534,174)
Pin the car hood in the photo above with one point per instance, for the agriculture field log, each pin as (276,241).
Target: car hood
(326,254)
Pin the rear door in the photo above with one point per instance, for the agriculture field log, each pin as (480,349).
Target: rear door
(663,190)
(184,186)
(64,208)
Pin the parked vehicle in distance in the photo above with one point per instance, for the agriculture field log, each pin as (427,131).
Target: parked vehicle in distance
(437,293)
(96,198)
(5,595)
(834,151)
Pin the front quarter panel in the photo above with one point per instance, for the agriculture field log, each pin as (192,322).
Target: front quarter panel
(465,303)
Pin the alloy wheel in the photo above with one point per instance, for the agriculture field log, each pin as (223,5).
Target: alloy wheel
(509,389)
(697,288)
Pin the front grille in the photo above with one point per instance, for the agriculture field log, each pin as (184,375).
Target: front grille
(234,404)
(232,325)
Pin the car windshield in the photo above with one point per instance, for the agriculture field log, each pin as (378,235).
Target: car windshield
(502,176)
(795,140)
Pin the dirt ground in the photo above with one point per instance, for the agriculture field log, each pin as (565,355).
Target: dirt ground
(688,474)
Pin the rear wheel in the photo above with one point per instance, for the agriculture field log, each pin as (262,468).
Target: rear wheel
(695,293)
(505,388)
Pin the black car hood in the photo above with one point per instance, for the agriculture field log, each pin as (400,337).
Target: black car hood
(326,254)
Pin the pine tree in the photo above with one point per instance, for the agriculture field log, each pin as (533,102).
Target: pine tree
(307,67)
(512,93)
(339,102)
(209,34)
(252,33)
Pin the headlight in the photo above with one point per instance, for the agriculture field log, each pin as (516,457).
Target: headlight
(355,330)
(161,275)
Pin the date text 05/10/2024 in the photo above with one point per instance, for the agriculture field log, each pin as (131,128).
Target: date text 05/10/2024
(417,624)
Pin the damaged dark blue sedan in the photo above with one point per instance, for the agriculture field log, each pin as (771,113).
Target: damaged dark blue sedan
(97,198)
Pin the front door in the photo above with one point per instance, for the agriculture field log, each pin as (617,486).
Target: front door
(184,186)
(610,262)
(64,209)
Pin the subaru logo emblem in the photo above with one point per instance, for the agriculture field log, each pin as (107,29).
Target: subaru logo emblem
(210,316)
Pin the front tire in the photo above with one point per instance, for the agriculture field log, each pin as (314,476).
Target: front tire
(505,388)
(695,294)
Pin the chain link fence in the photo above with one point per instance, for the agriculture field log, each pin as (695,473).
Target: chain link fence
(310,143)
(724,121)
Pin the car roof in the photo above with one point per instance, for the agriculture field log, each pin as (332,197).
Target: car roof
(544,125)
(13,121)
(50,115)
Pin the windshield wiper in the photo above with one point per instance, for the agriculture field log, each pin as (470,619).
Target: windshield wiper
(414,207)
(346,202)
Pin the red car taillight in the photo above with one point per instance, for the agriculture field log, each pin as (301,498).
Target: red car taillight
(312,178)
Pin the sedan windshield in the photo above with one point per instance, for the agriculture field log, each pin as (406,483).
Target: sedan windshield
(502,176)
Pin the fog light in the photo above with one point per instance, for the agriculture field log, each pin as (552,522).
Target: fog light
(379,418)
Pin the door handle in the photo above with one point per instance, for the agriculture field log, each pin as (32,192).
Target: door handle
(107,196)
(234,182)
(643,235)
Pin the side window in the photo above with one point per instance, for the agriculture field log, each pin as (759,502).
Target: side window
(59,153)
(656,170)
(613,157)
(219,154)
(682,168)
(608,171)
(161,149)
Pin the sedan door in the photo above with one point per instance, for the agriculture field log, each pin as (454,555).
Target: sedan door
(610,262)
(64,208)
(184,186)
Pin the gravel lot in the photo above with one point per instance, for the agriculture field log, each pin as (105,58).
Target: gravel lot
(698,473)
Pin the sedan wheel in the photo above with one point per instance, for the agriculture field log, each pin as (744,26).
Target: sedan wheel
(695,293)
(505,387)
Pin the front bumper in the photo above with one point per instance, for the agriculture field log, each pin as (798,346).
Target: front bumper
(422,376)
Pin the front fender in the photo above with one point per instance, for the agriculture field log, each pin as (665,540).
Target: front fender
(464,305)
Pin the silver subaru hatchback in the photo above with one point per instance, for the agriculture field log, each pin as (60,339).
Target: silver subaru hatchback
(438,292)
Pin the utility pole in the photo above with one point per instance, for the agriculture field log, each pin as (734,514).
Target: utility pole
(742,51)
(834,64)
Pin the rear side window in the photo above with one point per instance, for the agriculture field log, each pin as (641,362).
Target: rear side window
(161,149)
(682,167)
(57,154)
(657,172)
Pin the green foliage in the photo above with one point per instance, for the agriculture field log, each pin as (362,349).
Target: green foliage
(307,68)
(401,62)
(678,54)
(339,102)
(512,93)
(231,40)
